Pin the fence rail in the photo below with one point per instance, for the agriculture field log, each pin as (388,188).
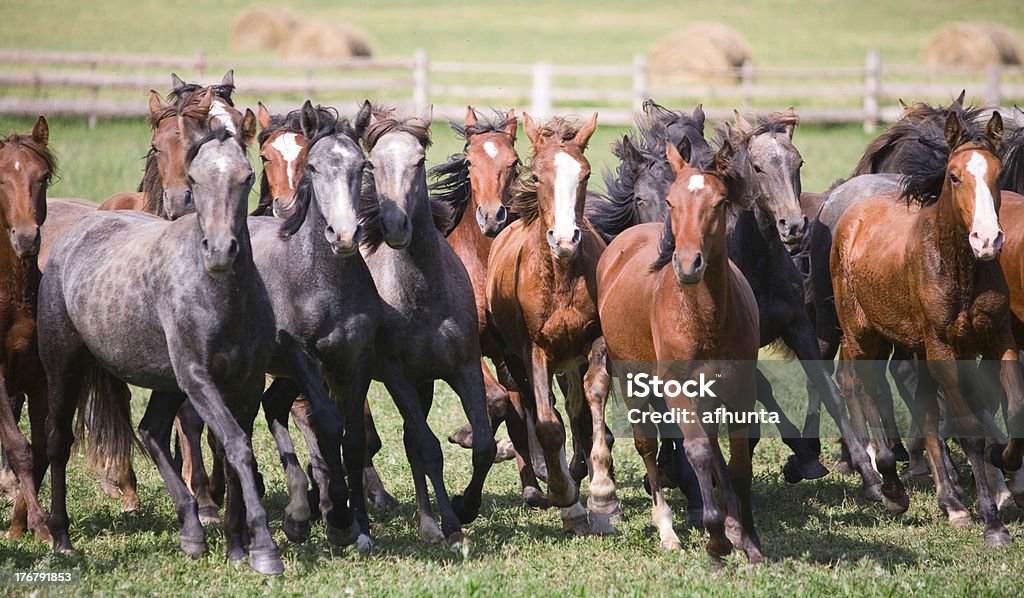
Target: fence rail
(82,84)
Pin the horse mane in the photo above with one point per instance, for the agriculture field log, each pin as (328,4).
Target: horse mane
(666,246)
(44,152)
(926,174)
(185,110)
(386,122)
(524,189)
(328,123)
(772,122)
(188,92)
(451,186)
(1012,155)
(151,186)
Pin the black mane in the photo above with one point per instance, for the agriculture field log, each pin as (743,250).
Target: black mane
(922,184)
(187,92)
(220,134)
(1012,176)
(386,122)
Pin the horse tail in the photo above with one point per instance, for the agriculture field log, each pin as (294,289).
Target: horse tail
(104,409)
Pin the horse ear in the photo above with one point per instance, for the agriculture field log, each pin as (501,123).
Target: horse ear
(585,132)
(428,115)
(41,132)
(698,115)
(903,107)
(790,113)
(309,120)
(156,103)
(732,134)
(262,115)
(954,130)
(531,128)
(959,101)
(207,101)
(248,126)
(362,119)
(994,129)
(675,160)
(511,124)
(176,81)
(723,159)
(470,120)
(629,152)
(685,149)
(741,123)
(229,78)
(650,107)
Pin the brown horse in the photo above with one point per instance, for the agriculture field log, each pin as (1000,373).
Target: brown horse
(701,309)
(478,182)
(542,301)
(26,165)
(922,275)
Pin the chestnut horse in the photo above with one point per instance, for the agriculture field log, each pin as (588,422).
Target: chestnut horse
(542,301)
(478,181)
(701,309)
(924,277)
(26,165)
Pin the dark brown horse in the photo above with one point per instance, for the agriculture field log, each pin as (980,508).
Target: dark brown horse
(922,275)
(478,182)
(701,309)
(542,300)
(26,165)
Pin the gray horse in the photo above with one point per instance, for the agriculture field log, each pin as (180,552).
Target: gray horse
(176,307)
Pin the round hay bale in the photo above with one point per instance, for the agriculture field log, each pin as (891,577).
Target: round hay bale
(262,28)
(973,45)
(325,41)
(700,52)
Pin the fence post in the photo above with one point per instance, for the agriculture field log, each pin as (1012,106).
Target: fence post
(872,89)
(747,82)
(995,95)
(541,97)
(95,98)
(200,59)
(420,82)
(640,93)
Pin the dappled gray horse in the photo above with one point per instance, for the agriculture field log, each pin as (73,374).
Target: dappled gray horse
(172,306)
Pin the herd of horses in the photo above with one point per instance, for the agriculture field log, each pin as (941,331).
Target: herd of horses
(360,264)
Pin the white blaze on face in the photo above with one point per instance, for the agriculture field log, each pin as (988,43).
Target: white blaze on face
(491,149)
(17,165)
(567,178)
(287,145)
(696,182)
(985,226)
(219,114)
(339,211)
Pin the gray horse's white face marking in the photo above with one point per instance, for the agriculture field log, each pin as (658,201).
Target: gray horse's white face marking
(335,167)
(775,171)
(398,171)
(220,178)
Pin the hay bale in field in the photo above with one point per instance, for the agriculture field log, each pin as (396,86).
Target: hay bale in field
(973,45)
(325,40)
(700,52)
(262,28)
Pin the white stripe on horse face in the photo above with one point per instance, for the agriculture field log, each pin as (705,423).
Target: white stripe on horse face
(986,221)
(696,182)
(567,178)
(219,114)
(288,147)
(491,149)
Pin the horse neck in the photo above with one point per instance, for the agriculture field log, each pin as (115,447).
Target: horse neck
(19,278)
(707,302)
(950,243)
(467,235)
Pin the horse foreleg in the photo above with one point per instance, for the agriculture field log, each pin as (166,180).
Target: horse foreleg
(277,401)
(468,384)
(21,456)
(645,439)
(190,436)
(603,501)
(376,493)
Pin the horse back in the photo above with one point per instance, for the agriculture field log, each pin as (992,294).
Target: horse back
(60,212)
(625,287)
(127,200)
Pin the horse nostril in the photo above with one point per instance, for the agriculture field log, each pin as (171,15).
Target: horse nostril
(233,248)
(330,230)
(551,236)
(577,235)
(500,214)
(698,261)
(206,245)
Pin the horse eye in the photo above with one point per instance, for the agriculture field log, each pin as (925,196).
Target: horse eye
(954,179)
(154,149)
(311,168)
(534,178)
(757,169)
(188,197)
(264,159)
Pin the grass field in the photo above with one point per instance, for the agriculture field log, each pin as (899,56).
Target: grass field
(819,537)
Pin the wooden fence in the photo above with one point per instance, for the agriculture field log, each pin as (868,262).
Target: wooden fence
(114,85)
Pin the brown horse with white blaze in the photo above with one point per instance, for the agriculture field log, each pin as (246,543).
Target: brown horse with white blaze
(542,301)
(702,309)
(924,276)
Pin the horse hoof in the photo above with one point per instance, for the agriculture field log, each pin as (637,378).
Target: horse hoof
(296,531)
(208,515)
(960,519)
(462,437)
(62,544)
(791,472)
(601,525)
(844,467)
(130,505)
(43,535)
(266,562)
(873,492)
(812,469)
(535,499)
(505,451)
(455,538)
(670,545)
(342,537)
(575,521)
(193,546)
(430,533)
(897,504)
(364,545)
(464,511)
(381,500)
(998,539)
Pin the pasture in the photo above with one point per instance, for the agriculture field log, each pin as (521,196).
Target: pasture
(819,537)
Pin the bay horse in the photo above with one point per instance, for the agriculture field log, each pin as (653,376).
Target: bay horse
(177,307)
(478,182)
(429,329)
(937,252)
(702,309)
(542,301)
(26,168)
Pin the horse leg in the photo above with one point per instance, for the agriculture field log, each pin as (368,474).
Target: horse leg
(155,431)
(741,474)
(562,491)
(190,436)
(701,456)
(603,502)
(883,403)
(277,400)
(498,407)
(376,493)
(645,439)
(22,459)
(927,405)
(350,390)
(804,463)
(468,384)
(520,423)
(9,481)
(318,500)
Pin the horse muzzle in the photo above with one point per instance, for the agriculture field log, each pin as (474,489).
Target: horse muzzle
(564,248)
(689,270)
(344,243)
(491,224)
(219,253)
(792,232)
(986,246)
(178,202)
(25,241)
(395,225)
